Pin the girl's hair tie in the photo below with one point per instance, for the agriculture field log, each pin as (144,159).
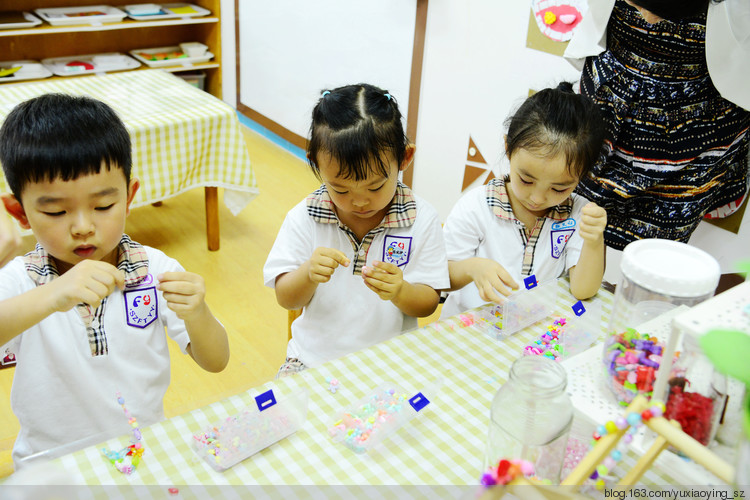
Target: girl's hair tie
(326,92)
(387,96)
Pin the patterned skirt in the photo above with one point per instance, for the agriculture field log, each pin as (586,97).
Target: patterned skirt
(675,149)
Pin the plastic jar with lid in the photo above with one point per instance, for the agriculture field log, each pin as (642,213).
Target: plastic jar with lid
(531,416)
(659,275)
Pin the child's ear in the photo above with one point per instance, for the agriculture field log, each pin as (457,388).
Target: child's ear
(408,157)
(15,209)
(132,189)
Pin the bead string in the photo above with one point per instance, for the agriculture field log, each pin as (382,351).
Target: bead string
(633,420)
(548,344)
(134,450)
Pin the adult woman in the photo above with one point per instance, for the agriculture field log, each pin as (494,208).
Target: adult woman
(671,80)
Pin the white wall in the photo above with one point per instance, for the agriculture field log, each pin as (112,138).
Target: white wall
(290,50)
(477,68)
(228,54)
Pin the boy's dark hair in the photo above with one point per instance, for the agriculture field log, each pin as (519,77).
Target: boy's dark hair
(675,10)
(558,121)
(58,136)
(357,125)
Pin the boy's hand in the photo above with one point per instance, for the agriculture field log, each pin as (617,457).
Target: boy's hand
(593,223)
(384,279)
(184,292)
(490,278)
(324,262)
(89,281)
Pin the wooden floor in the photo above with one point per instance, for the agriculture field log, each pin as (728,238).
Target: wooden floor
(256,324)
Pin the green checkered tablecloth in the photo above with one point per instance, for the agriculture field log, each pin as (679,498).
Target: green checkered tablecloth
(443,445)
(182,137)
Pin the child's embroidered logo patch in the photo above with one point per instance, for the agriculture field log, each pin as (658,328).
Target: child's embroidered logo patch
(396,250)
(141,307)
(561,233)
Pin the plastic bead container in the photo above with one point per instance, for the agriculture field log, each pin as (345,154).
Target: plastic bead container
(519,310)
(236,438)
(657,276)
(377,416)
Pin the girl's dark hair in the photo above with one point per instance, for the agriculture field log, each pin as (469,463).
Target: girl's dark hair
(58,136)
(558,121)
(674,10)
(358,125)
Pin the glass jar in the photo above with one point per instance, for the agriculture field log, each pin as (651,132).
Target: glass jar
(696,392)
(659,275)
(531,416)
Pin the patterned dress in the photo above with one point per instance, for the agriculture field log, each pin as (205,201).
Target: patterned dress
(675,149)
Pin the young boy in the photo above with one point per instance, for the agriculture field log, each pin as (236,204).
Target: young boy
(85,312)
(362,255)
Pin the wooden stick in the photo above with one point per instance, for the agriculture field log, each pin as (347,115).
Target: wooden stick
(633,475)
(692,448)
(602,448)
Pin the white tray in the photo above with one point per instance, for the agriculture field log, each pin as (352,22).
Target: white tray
(66,16)
(182,61)
(58,65)
(169,11)
(31,21)
(42,71)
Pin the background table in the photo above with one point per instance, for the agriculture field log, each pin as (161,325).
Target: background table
(442,446)
(182,137)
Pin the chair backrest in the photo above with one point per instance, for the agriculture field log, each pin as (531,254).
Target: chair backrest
(292,315)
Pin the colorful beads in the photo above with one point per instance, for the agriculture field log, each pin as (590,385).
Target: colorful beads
(506,471)
(549,343)
(134,451)
(633,420)
(631,360)
(369,420)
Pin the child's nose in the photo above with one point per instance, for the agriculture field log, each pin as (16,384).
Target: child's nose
(82,225)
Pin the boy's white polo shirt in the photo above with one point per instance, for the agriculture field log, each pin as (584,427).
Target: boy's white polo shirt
(482,224)
(62,394)
(344,315)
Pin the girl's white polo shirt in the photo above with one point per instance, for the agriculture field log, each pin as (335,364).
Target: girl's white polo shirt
(482,224)
(344,315)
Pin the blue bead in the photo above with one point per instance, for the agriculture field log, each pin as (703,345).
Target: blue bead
(601,430)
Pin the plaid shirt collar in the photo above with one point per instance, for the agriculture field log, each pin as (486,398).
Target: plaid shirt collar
(499,201)
(401,213)
(131,259)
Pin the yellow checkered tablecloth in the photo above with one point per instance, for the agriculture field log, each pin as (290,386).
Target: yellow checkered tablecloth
(182,137)
(444,445)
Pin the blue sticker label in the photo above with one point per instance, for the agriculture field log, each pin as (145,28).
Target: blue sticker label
(141,306)
(396,250)
(265,400)
(578,308)
(561,233)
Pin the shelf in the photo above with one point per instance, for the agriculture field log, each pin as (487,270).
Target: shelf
(46,29)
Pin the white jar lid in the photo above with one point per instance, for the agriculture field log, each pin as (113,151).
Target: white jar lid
(670,268)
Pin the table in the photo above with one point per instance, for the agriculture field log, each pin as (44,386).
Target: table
(182,137)
(444,446)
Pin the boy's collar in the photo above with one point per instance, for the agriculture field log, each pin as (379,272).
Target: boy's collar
(401,213)
(497,198)
(132,260)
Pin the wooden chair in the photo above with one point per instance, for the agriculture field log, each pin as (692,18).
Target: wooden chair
(292,315)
